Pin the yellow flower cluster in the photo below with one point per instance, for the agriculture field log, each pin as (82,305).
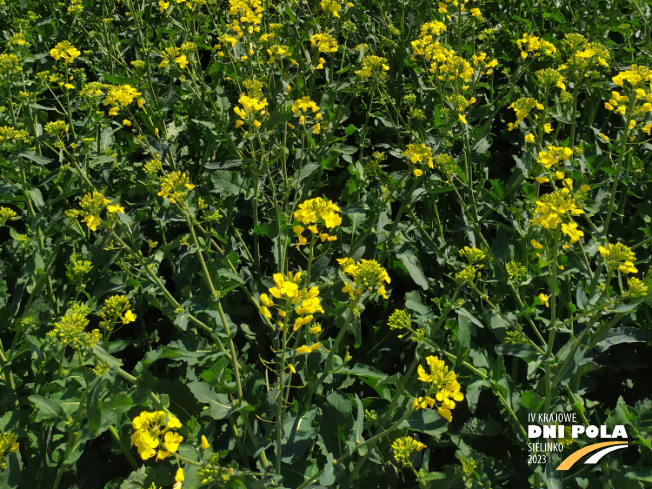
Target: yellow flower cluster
(325,43)
(535,46)
(313,214)
(484,63)
(6,214)
(177,55)
(65,51)
(637,78)
(249,13)
(9,64)
(8,444)
(584,57)
(443,384)
(333,7)
(516,272)
(92,205)
(373,66)
(474,257)
(636,287)
(116,308)
(451,67)
(153,434)
(251,106)
(522,108)
(18,39)
(553,155)
(276,51)
(634,76)
(419,154)
(121,96)
(70,330)
(550,77)
(175,187)
(553,207)
(619,256)
(400,319)
(365,275)
(403,448)
(294,301)
(56,128)
(305,106)
(79,268)
(10,134)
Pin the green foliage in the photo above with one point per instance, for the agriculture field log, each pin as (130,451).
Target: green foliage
(322,244)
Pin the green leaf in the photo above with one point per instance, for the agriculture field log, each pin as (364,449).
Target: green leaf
(430,422)
(47,408)
(220,405)
(411,263)
(298,434)
(473,391)
(622,335)
(37,197)
(38,159)
(471,317)
(93,411)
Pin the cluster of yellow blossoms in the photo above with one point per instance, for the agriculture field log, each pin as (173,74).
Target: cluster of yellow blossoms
(325,43)
(56,128)
(553,208)
(403,448)
(419,154)
(178,55)
(251,108)
(313,214)
(10,135)
(637,78)
(153,434)
(294,300)
(443,384)
(305,106)
(535,46)
(121,97)
(276,51)
(365,275)
(618,256)
(8,444)
(373,67)
(333,7)
(474,257)
(69,331)
(6,214)
(116,308)
(445,63)
(522,108)
(248,13)
(65,51)
(585,57)
(9,65)
(553,155)
(92,205)
(175,187)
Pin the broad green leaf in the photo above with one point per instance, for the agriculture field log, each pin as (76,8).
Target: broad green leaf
(411,263)
(47,408)
(220,404)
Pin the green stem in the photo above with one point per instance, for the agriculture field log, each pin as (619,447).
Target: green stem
(125,450)
(280,400)
(371,442)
